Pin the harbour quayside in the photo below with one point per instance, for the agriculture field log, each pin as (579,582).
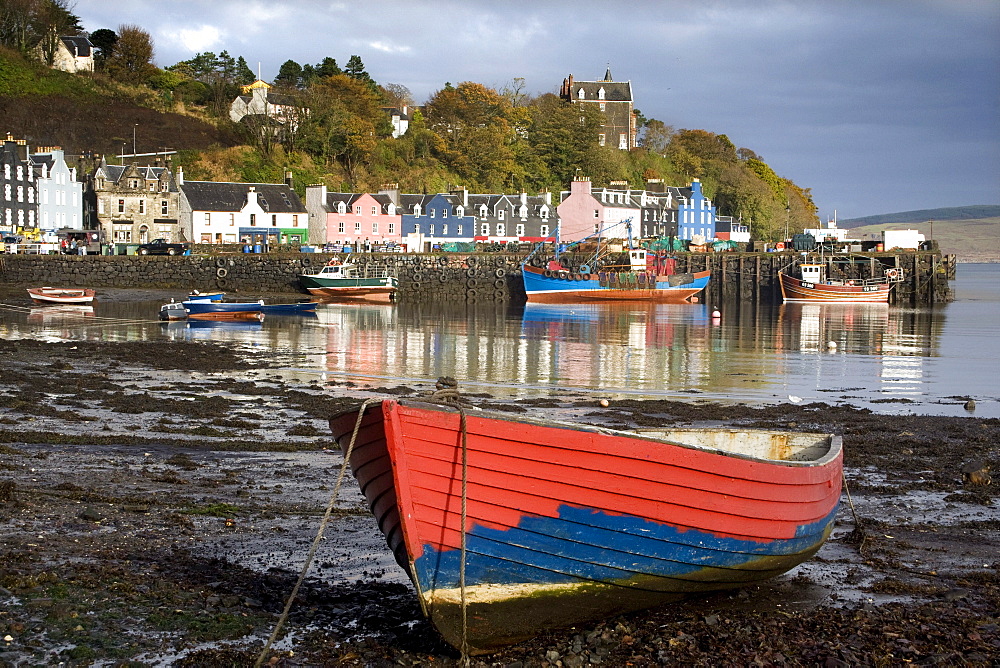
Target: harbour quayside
(647,277)
(510,526)
(343,280)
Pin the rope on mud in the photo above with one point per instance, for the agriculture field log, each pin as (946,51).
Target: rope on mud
(319,535)
(858,535)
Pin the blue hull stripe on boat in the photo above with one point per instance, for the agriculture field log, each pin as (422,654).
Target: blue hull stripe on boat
(534,283)
(612,548)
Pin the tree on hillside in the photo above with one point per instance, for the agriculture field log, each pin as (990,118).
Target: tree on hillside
(289,75)
(561,136)
(656,136)
(243,76)
(131,61)
(104,41)
(397,95)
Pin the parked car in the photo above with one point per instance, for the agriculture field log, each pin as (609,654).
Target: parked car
(8,244)
(162,247)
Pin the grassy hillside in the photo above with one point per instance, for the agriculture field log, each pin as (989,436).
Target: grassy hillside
(973,240)
(90,113)
(910,218)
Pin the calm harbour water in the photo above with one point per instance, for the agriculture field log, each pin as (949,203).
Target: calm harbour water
(891,359)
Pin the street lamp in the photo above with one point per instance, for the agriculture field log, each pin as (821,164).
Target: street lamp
(788,213)
(133,138)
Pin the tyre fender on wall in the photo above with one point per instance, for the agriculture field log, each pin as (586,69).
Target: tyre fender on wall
(221,272)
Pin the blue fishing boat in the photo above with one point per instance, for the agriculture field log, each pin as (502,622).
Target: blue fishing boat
(206,309)
(643,276)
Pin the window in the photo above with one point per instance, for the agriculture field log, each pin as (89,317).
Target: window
(392,228)
(433,212)
(544,230)
(232,219)
(100,206)
(580,94)
(623,140)
(500,214)
(20,193)
(519,230)
(600,96)
(501,229)
(133,183)
(484,230)
(142,206)
(458,230)
(340,227)
(152,187)
(341,208)
(604,107)
(416,210)
(274,220)
(164,205)
(374,210)
(6,192)
(20,172)
(597,213)
(253,220)
(444,230)
(374,227)
(357,211)
(357,227)
(208,219)
(121,206)
(431,230)
(544,214)
(295,220)
(444,213)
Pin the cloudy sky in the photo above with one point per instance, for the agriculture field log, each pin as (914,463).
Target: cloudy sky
(879,106)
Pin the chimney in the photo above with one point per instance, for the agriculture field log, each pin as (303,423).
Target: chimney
(548,197)
(288,178)
(180,175)
(252,196)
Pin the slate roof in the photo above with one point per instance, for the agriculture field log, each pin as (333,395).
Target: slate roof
(78,45)
(228,196)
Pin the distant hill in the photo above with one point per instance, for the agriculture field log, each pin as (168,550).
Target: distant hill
(974,212)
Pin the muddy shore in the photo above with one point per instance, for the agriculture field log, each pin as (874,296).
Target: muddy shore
(156,510)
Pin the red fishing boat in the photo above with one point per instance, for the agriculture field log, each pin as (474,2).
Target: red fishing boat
(509,526)
(812,285)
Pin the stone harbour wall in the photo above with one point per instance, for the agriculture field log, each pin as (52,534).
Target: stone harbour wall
(478,277)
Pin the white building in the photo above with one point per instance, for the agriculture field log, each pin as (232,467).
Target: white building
(60,194)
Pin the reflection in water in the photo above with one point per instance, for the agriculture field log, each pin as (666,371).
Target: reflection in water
(750,354)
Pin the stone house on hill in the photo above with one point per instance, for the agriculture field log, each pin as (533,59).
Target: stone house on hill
(614,100)
(73,53)
(258,105)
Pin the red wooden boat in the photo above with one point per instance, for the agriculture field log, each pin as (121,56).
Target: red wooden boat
(565,524)
(49,295)
(813,286)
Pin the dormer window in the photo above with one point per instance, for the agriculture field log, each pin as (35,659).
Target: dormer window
(581,95)
(500,214)
(416,210)
(524,212)
(460,211)
(600,94)
(341,208)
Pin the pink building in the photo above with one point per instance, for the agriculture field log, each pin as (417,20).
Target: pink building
(581,214)
(360,220)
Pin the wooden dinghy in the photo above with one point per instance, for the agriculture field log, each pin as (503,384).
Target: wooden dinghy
(511,526)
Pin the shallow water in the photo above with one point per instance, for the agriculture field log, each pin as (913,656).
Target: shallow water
(892,359)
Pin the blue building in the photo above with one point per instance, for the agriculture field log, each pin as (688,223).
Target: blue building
(695,214)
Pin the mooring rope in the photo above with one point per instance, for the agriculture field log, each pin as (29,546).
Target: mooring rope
(859,529)
(319,535)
